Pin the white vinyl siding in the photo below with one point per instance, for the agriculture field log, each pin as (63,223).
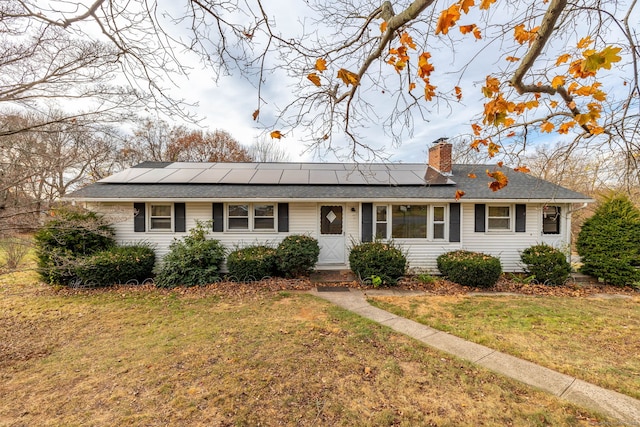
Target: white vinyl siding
(303,219)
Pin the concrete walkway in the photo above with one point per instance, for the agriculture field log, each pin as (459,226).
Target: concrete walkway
(607,402)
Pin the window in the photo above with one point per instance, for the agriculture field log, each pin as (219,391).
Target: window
(409,221)
(381,222)
(160,217)
(499,218)
(251,217)
(263,217)
(438,222)
(551,220)
(238,217)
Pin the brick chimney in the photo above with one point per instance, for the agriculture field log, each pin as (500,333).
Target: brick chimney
(440,156)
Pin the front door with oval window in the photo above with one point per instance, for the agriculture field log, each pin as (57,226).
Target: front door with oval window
(332,236)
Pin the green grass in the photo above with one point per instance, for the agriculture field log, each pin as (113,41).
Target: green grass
(142,356)
(592,339)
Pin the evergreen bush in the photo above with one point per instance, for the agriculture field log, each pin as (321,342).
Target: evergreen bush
(380,259)
(252,263)
(192,261)
(120,264)
(609,243)
(470,268)
(548,264)
(297,255)
(69,235)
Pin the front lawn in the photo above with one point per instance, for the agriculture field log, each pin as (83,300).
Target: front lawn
(594,339)
(204,356)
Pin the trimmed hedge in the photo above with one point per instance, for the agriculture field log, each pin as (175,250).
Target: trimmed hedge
(192,261)
(380,259)
(470,268)
(117,265)
(548,264)
(251,263)
(297,255)
(609,243)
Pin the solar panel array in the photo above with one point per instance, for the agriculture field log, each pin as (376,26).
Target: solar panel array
(274,173)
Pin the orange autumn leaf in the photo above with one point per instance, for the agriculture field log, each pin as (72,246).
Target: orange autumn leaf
(466,29)
(512,59)
(321,64)
(448,19)
(547,126)
(424,67)
(521,35)
(406,40)
(412,86)
(383,27)
(522,169)
(511,134)
(476,144)
(466,5)
(557,81)
(459,193)
(458,92)
(477,33)
(429,90)
(276,134)
(313,78)
(493,149)
(472,175)
(500,180)
(484,5)
(348,77)
(476,129)
(553,104)
(584,42)
(500,164)
(256,114)
(562,59)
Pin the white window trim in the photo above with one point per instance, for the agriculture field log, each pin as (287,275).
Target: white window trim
(512,212)
(251,216)
(430,222)
(444,222)
(149,219)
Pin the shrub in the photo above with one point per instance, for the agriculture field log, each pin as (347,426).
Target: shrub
(470,268)
(117,265)
(549,265)
(252,263)
(191,261)
(13,250)
(609,242)
(380,259)
(70,234)
(297,255)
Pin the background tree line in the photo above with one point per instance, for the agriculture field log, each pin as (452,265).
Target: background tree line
(52,155)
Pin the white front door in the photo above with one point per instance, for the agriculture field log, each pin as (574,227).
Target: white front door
(332,236)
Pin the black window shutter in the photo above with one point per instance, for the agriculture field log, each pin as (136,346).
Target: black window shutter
(180,223)
(218,217)
(283,217)
(367,222)
(454,222)
(521,218)
(139,217)
(479,218)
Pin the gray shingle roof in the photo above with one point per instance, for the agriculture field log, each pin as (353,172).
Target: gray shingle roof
(183,181)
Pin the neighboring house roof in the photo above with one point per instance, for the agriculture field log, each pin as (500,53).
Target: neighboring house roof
(333,181)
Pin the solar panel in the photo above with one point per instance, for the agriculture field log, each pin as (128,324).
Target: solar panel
(238,176)
(322,177)
(152,176)
(181,175)
(266,177)
(295,177)
(210,176)
(125,175)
